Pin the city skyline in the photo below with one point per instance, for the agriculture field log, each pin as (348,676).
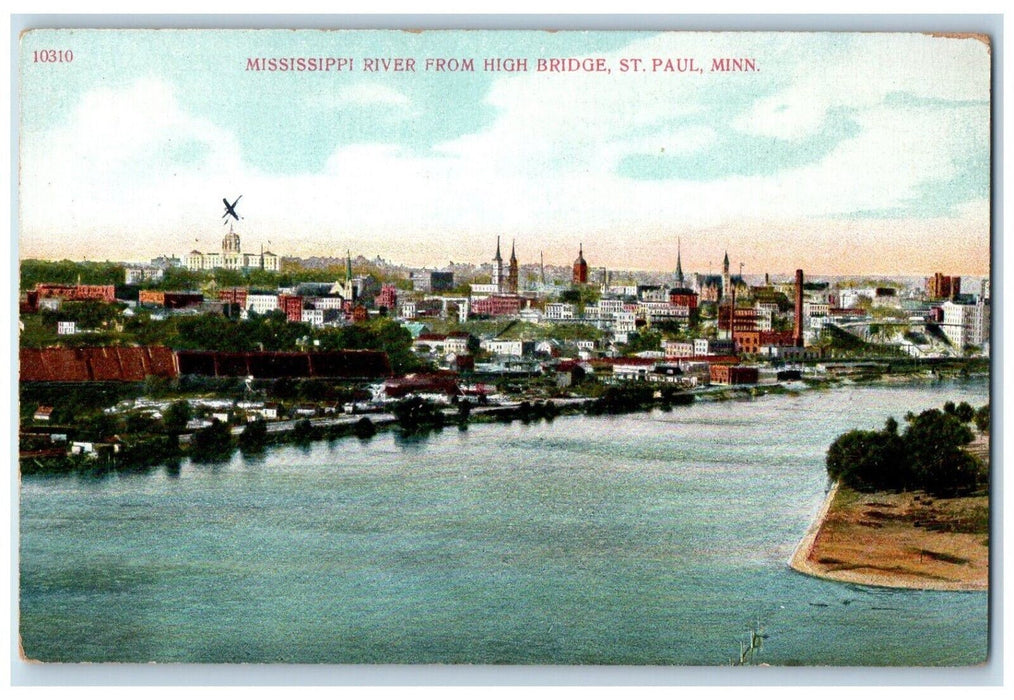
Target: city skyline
(843,153)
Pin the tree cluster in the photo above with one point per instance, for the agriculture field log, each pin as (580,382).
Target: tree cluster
(927,456)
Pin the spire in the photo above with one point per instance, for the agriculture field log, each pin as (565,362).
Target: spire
(725,262)
(348,264)
(513,257)
(679,264)
(497,256)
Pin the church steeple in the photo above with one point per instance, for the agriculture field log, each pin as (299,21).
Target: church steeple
(679,265)
(497,256)
(512,272)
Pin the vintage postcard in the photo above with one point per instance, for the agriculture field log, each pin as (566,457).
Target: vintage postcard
(504,347)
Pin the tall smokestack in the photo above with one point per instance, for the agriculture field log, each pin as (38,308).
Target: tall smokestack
(797,335)
(732,319)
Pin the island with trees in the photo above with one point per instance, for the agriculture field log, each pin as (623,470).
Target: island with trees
(909,507)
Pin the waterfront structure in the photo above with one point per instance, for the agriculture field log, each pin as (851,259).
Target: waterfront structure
(580,267)
(232,257)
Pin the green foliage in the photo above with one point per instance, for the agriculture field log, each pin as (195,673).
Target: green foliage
(414,413)
(929,456)
(580,295)
(964,412)
(254,436)
(303,431)
(643,340)
(211,444)
(982,415)
(176,416)
(87,314)
(68,272)
(364,428)
(868,460)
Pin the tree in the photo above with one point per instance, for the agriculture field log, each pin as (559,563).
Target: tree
(302,431)
(982,418)
(176,417)
(868,460)
(213,443)
(964,412)
(254,436)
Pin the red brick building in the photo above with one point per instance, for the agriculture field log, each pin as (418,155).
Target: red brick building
(680,296)
(580,267)
(292,306)
(235,296)
(497,306)
(750,342)
(388,297)
(77,292)
(941,286)
(732,375)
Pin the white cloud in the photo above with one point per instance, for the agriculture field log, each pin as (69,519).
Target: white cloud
(545,168)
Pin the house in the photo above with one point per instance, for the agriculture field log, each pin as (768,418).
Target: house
(43,413)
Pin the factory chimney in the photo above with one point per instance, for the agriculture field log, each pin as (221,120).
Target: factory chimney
(797,335)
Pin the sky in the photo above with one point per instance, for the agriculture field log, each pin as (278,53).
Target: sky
(841,154)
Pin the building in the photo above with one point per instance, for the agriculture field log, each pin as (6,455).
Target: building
(292,306)
(261,302)
(732,375)
(169,300)
(441,281)
(142,273)
(512,272)
(559,311)
(77,292)
(388,297)
(497,305)
(941,286)
(580,267)
(231,258)
(679,266)
(751,342)
(965,324)
(498,279)
(682,296)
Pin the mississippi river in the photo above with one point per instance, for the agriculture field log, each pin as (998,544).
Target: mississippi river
(650,538)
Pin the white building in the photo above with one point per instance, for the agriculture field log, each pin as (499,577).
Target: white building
(231,257)
(559,311)
(142,273)
(965,324)
(261,303)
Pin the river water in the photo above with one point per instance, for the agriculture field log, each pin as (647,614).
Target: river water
(651,538)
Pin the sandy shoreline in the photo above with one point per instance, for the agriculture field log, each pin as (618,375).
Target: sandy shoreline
(896,541)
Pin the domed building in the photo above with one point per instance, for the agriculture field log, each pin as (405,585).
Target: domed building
(232,257)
